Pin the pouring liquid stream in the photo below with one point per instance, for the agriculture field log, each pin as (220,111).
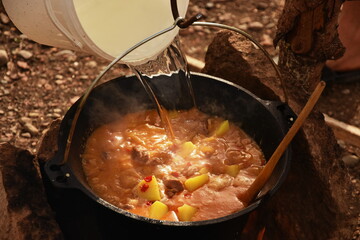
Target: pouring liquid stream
(171,62)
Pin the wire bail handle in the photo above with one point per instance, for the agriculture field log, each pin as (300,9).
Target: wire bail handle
(178,22)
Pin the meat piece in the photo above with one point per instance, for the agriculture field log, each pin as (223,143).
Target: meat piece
(219,182)
(173,187)
(236,156)
(140,155)
(189,170)
(160,158)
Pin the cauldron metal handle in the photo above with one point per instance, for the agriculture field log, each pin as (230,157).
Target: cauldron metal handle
(179,22)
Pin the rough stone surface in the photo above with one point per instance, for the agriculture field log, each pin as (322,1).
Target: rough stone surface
(48,142)
(249,66)
(25,213)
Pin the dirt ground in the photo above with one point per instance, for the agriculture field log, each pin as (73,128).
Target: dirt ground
(39,83)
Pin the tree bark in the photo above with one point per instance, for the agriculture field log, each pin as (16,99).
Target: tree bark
(307,36)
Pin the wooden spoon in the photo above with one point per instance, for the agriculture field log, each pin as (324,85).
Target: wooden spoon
(266,172)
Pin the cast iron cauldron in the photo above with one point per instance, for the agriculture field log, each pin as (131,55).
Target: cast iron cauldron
(265,121)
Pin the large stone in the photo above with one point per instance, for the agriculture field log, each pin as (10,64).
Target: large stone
(234,58)
(25,213)
(48,143)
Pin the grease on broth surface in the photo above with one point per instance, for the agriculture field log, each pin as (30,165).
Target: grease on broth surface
(132,164)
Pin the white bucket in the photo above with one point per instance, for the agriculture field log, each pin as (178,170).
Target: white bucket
(105,28)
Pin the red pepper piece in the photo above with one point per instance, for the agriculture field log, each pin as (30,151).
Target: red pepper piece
(144,187)
(148,179)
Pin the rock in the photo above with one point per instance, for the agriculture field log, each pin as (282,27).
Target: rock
(346,91)
(4,58)
(10,66)
(48,142)
(256,26)
(71,70)
(2,112)
(56,115)
(249,67)
(64,52)
(59,77)
(25,54)
(26,135)
(24,78)
(31,129)
(245,20)
(265,19)
(25,212)
(262,5)
(24,120)
(91,64)
(84,77)
(74,99)
(6,92)
(23,65)
(48,86)
(351,160)
(266,41)
(59,82)
(34,114)
(243,26)
(209,5)
(5,80)
(57,110)
(225,17)
(76,64)
(23,36)
(4,18)
(270,25)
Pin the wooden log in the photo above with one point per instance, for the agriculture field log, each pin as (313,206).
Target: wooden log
(343,131)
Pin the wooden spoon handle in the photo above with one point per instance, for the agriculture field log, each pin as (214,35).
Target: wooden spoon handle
(266,172)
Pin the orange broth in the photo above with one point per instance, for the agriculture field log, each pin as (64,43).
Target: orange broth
(121,154)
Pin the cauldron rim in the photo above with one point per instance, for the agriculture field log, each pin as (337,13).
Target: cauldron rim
(75,183)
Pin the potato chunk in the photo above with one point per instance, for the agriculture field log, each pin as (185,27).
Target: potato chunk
(186,212)
(148,188)
(186,149)
(222,129)
(194,183)
(158,210)
(232,170)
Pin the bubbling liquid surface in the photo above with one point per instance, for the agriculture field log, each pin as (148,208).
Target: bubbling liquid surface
(134,165)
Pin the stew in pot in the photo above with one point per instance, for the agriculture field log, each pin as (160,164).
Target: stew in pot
(134,165)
